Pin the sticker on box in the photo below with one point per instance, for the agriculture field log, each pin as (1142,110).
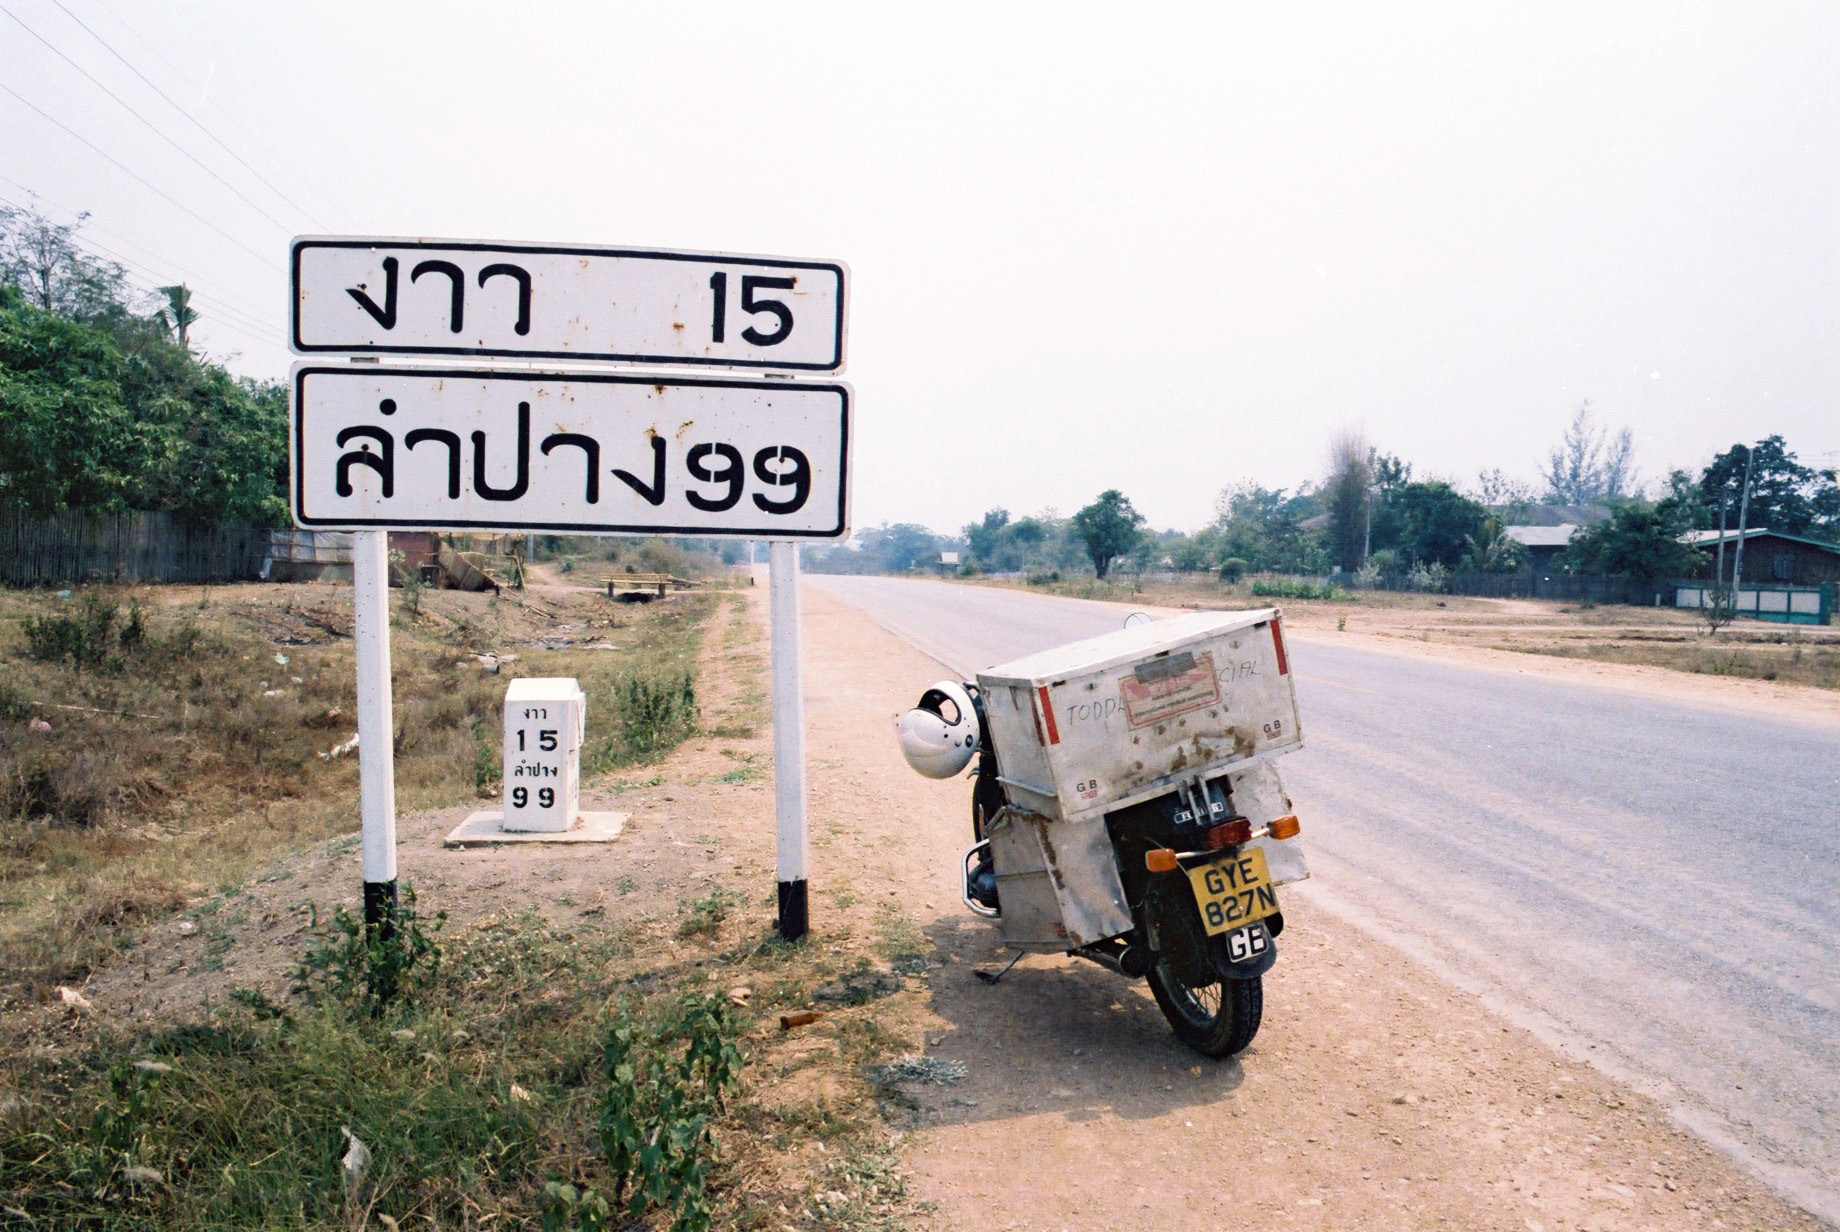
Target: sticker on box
(1163,688)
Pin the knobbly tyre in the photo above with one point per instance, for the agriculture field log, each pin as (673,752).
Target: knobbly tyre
(1125,807)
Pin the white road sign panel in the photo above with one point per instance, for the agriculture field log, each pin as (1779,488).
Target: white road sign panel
(433,449)
(367,295)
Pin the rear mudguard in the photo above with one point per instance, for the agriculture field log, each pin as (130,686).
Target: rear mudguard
(1173,923)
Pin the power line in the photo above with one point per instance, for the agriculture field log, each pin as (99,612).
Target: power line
(157,130)
(142,180)
(80,219)
(199,124)
(203,96)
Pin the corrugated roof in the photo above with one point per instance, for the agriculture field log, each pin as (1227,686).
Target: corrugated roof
(1710,538)
(1541,536)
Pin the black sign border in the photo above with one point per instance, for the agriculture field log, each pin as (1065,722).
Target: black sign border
(551,250)
(297,442)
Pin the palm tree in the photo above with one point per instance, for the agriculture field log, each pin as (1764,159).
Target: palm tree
(178,316)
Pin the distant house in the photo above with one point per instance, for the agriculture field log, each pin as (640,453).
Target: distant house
(1542,542)
(1770,557)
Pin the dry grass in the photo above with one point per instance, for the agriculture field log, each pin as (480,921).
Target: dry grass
(1790,657)
(474,1092)
(178,761)
(1655,637)
(484,1085)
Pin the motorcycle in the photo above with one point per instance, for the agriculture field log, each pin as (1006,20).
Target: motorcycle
(1126,809)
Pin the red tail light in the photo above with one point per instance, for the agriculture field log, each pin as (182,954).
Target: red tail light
(1230,833)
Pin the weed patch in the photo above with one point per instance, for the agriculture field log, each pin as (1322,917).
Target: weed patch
(369,965)
(190,745)
(537,1078)
(703,917)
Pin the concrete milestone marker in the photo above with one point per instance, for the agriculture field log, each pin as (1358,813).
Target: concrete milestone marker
(545,719)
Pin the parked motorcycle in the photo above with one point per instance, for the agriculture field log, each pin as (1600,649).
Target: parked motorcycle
(1125,807)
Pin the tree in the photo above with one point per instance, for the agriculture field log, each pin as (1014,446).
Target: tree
(1785,496)
(1109,528)
(54,272)
(1490,550)
(1000,545)
(883,549)
(1264,528)
(67,435)
(1584,469)
(178,316)
(96,417)
(1197,553)
(984,539)
(1437,523)
(1511,498)
(1638,540)
(1349,493)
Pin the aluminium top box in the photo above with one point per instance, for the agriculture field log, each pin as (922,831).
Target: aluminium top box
(1099,724)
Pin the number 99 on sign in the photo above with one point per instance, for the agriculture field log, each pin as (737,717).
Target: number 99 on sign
(546,797)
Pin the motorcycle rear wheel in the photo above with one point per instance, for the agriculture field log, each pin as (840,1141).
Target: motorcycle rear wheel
(1216,1020)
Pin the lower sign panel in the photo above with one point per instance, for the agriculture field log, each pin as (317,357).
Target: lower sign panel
(430,449)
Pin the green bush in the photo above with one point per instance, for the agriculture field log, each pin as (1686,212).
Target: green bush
(96,636)
(86,638)
(15,706)
(1286,588)
(1232,569)
(656,1114)
(1433,578)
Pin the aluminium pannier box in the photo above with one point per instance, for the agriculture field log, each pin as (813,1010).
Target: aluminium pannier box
(1098,724)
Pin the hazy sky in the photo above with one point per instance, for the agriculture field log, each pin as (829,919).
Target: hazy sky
(1158,248)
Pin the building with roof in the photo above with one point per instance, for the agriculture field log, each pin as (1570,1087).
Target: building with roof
(1770,557)
(1542,542)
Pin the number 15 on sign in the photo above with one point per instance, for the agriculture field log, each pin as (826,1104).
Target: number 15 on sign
(372,295)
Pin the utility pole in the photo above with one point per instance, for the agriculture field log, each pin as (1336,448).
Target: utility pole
(1718,574)
(1367,535)
(1744,504)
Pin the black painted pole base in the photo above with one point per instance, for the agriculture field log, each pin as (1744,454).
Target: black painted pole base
(380,908)
(794,920)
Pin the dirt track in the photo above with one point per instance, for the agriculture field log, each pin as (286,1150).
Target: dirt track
(1374,1097)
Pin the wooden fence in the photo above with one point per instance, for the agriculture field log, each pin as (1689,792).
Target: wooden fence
(74,547)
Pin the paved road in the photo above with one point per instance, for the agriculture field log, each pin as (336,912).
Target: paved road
(1652,885)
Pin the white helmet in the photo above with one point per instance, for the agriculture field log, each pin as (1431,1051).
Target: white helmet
(939,735)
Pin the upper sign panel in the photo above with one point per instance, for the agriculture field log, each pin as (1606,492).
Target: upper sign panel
(365,295)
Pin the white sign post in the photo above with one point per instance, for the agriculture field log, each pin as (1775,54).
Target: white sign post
(370,569)
(789,797)
(377,448)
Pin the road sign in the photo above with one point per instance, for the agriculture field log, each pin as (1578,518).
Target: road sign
(369,295)
(426,448)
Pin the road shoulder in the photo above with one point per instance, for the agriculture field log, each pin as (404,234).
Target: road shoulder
(1375,1096)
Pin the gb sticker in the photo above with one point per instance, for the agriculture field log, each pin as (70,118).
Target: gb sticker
(1088,789)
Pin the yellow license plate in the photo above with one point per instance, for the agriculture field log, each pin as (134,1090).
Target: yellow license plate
(1234,892)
